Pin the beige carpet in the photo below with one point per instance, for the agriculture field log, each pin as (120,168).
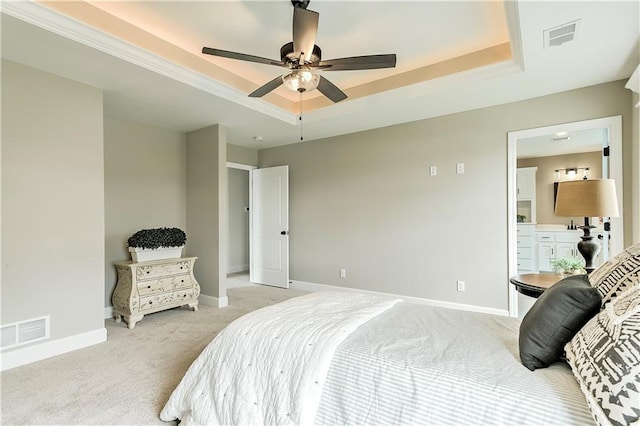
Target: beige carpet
(128,379)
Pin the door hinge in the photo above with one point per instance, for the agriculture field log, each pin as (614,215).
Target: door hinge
(605,151)
(607,226)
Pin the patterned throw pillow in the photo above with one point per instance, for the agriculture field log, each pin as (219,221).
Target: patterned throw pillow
(617,274)
(605,358)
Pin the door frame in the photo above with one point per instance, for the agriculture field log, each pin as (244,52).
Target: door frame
(250,169)
(614,125)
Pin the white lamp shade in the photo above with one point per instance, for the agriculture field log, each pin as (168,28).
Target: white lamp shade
(587,198)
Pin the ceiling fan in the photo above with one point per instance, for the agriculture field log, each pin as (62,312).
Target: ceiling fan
(303,57)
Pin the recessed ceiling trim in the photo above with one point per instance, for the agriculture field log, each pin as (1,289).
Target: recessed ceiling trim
(128,42)
(513,26)
(475,60)
(63,25)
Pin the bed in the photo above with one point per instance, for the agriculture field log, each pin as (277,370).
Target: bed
(361,358)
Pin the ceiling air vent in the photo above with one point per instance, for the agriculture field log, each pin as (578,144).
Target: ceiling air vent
(561,34)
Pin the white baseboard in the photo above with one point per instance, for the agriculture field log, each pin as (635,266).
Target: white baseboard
(51,348)
(231,283)
(307,286)
(216,302)
(237,268)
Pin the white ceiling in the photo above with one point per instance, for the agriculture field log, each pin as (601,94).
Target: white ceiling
(587,140)
(176,90)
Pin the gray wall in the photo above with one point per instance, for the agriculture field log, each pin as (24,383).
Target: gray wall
(145,186)
(366,202)
(52,201)
(546,176)
(242,155)
(207,207)
(238,253)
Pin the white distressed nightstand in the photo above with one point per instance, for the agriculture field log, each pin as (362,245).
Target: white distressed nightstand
(147,287)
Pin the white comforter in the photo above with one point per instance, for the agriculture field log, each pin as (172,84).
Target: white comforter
(269,366)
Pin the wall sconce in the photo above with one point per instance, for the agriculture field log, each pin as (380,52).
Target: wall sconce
(572,172)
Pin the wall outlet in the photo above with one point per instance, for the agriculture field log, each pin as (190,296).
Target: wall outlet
(461,285)
(343,273)
(460,168)
(433,170)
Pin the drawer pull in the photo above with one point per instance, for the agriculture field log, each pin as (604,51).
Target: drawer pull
(181,281)
(148,286)
(151,302)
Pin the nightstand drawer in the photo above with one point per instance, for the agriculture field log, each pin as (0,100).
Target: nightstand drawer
(164,284)
(174,298)
(146,272)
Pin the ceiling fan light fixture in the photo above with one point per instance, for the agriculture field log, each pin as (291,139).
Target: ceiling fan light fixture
(301,80)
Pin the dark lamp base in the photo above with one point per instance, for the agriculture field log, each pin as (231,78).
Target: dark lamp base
(588,248)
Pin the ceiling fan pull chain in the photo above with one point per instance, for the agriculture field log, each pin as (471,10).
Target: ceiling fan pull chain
(300,118)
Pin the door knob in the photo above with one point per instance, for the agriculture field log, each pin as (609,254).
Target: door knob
(283,233)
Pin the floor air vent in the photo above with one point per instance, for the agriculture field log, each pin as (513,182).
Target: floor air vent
(561,34)
(23,332)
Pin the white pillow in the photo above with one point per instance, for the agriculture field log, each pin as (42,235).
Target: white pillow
(605,358)
(617,274)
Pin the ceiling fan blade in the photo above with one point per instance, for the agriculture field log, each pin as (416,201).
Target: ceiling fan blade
(359,63)
(330,90)
(305,29)
(263,90)
(241,56)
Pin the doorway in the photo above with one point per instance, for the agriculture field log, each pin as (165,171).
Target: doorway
(611,129)
(239,234)
(258,226)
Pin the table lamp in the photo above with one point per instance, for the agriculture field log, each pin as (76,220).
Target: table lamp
(587,198)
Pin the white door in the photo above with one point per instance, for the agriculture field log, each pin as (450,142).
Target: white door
(270,226)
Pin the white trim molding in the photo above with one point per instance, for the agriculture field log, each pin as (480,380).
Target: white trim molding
(231,283)
(240,166)
(216,302)
(57,23)
(614,126)
(238,268)
(108,312)
(34,353)
(634,83)
(307,286)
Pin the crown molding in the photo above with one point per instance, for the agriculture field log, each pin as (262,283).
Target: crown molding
(50,20)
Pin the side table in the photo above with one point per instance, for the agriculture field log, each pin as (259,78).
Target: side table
(534,285)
